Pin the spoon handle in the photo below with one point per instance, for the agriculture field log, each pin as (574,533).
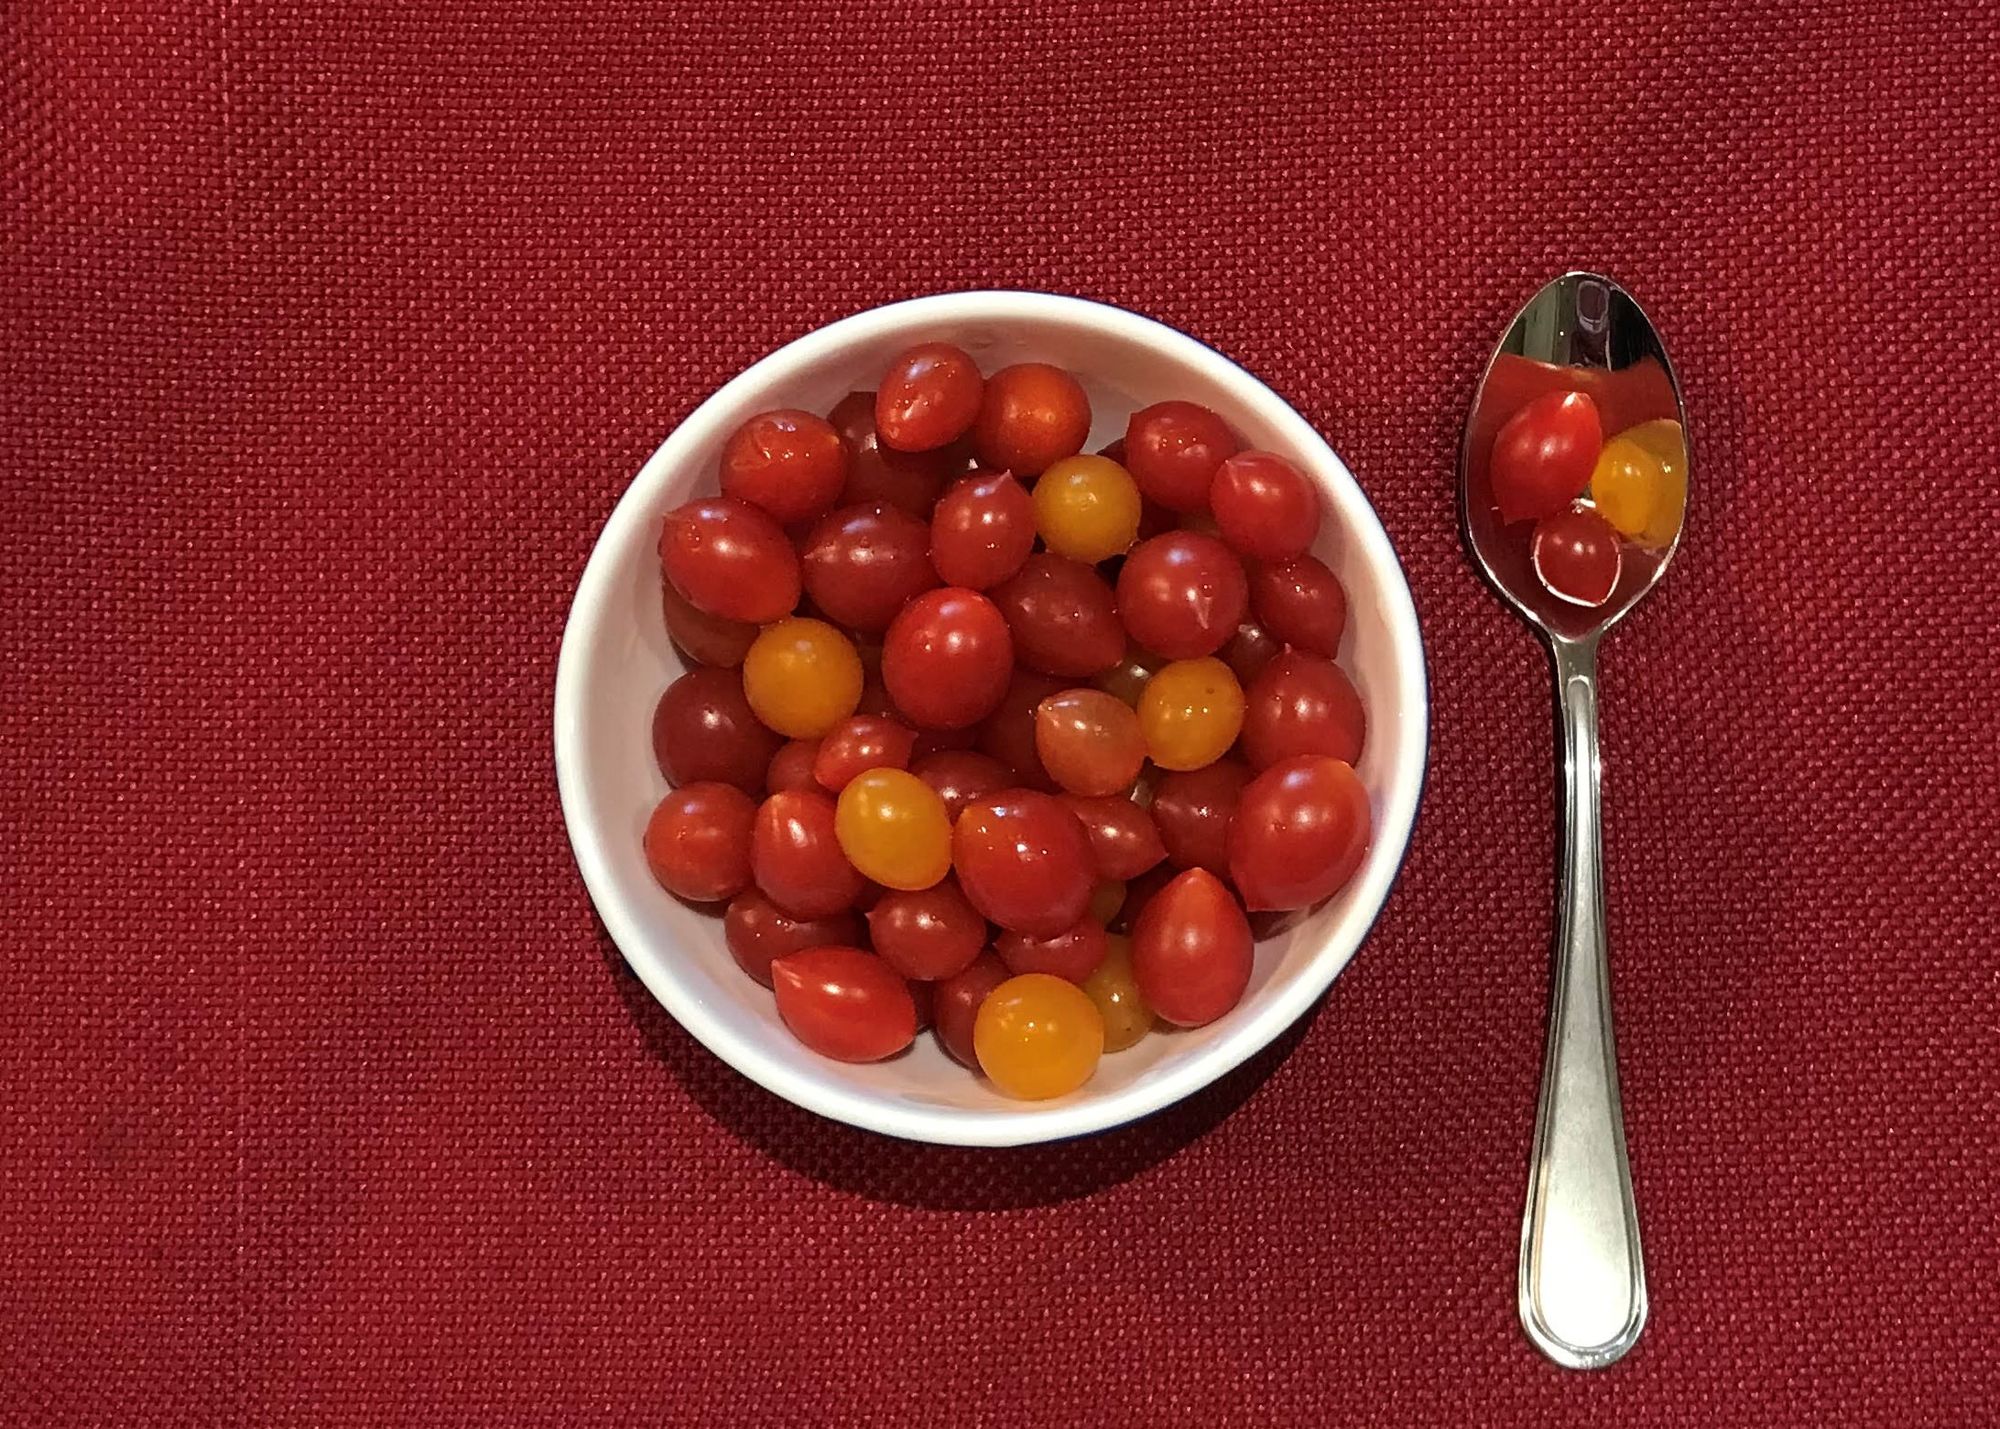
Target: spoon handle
(1583,1284)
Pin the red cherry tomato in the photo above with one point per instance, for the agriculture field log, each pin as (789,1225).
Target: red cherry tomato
(928,397)
(1251,648)
(1576,555)
(1072,955)
(947,658)
(961,775)
(731,559)
(698,841)
(703,728)
(1124,839)
(1090,742)
(955,1005)
(910,480)
(1191,950)
(795,856)
(928,934)
(1063,616)
(1302,704)
(1301,603)
(1008,734)
(982,530)
(863,564)
(1266,506)
(860,743)
(1300,832)
(844,1003)
(1024,861)
(1032,415)
(1192,811)
(1543,456)
(758,930)
(1182,595)
(792,767)
(791,463)
(704,638)
(1172,450)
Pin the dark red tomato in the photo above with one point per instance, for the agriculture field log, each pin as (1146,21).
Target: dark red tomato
(1542,457)
(1063,615)
(1124,840)
(864,563)
(1031,416)
(1024,861)
(910,480)
(929,396)
(1302,704)
(1301,603)
(1192,810)
(930,934)
(1191,950)
(698,841)
(982,530)
(922,994)
(796,859)
(937,741)
(1008,734)
(947,658)
(1301,830)
(1251,648)
(792,767)
(1141,891)
(791,463)
(1089,741)
(955,1005)
(1073,954)
(844,1003)
(1172,450)
(1127,679)
(860,743)
(1576,555)
(758,930)
(1265,506)
(731,559)
(1182,595)
(703,728)
(874,699)
(704,638)
(962,775)
(1115,450)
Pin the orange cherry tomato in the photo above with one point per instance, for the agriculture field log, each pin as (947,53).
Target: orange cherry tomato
(893,828)
(1038,1036)
(1191,712)
(1115,989)
(1090,742)
(802,677)
(1087,508)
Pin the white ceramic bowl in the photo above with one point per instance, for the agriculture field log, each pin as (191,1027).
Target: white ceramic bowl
(616,660)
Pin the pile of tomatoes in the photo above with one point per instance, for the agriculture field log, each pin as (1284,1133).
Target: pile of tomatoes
(984,733)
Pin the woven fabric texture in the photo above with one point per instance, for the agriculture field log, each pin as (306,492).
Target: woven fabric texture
(332,333)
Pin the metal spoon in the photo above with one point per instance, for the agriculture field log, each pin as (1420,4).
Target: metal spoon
(1582,1281)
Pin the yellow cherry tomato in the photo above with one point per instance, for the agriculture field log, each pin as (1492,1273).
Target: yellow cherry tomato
(894,828)
(1038,1036)
(1087,508)
(1626,485)
(1115,990)
(1191,712)
(1666,443)
(802,677)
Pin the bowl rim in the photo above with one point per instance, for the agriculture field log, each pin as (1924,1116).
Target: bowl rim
(1033,1123)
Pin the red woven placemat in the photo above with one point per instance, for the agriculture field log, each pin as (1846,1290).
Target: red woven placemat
(333,331)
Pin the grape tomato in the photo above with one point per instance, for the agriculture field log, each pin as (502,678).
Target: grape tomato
(1024,861)
(1543,455)
(791,463)
(730,559)
(1031,416)
(955,1004)
(858,744)
(1300,831)
(796,858)
(862,564)
(1125,839)
(982,530)
(704,728)
(948,658)
(1302,704)
(1191,950)
(928,933)
(1265,506)
(844,1003)
(1173,450)
(1072,954)
(698,841)
(929,396)
(1301,603)
(1063,617)
(757,930)
(1089,742)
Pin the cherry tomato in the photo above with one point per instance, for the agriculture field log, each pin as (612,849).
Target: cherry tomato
(1172,450)
(1543,456)
(1182,594)
(795,856)
(703,728)
(1191,950)
(1265,506)
(929,396)
(1038,1036)
(1251,648)
(1063,616)
(863,564)
(802,677)
(962,775)
(704,638)
(1192,811)
(955,1004)
(1031,416)
(1087,508)
(860,743)
(731,559)
(1124,840)
(1302,704)
(1576,555)
(1301,603)
(758,930)
(1115,989)
(1106,899)
(1139,892)
(844,1003)
(948,658)
(1073,954)
(1127,679)
(1666,444)
(982,530)
(1089,741)
(1008,734)
(698,841)
(1627,485)
(792,767)
(893,828)
(1024,861)
(1191,713)
(1300,832)
(929,933)
(791,463)
(910,480)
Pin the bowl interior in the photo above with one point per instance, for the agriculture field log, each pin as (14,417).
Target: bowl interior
(617,659)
